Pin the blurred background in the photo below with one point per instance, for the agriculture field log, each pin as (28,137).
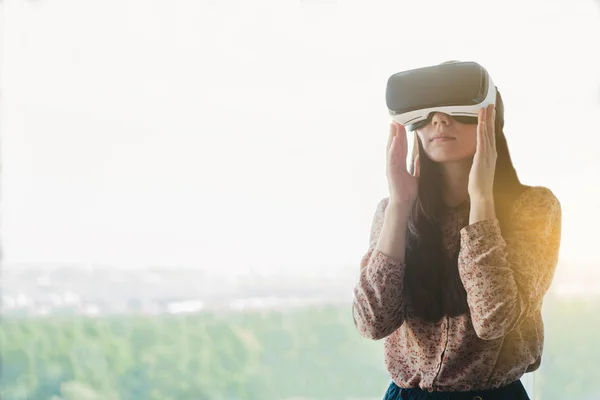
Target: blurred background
(187,187)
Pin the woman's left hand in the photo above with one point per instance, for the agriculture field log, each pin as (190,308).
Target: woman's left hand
(481,177)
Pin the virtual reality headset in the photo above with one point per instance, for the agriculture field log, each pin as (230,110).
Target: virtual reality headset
(459,89)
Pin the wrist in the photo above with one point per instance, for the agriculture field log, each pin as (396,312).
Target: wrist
(481,195)
(398,210)
(482,208)
(482,200)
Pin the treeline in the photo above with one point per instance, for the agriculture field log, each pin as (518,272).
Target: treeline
(302,354)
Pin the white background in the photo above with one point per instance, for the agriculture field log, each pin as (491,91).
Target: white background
(236,136)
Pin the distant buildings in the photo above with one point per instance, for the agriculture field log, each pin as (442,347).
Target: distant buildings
(93,292)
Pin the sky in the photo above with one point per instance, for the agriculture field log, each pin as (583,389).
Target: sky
(250,136)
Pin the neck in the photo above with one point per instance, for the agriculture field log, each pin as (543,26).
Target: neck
(456,181)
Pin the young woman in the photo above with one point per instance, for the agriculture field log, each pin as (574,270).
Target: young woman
(461,255)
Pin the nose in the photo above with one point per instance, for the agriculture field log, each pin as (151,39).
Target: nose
(440,120)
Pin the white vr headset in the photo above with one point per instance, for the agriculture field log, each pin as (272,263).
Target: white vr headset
(459,89)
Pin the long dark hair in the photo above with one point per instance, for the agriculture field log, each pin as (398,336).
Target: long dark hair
(432,285)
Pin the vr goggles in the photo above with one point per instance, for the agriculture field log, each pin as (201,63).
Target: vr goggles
(459,89)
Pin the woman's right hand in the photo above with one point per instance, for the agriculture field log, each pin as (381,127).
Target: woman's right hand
(403,186)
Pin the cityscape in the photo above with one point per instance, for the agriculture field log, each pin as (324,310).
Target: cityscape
(37,290)
(76,290)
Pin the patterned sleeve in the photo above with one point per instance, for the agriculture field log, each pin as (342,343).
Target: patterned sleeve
(506,280)
(378,305)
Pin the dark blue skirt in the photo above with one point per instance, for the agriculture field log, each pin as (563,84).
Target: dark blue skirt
(513,391)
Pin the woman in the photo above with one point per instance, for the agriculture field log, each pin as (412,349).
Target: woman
(461,255)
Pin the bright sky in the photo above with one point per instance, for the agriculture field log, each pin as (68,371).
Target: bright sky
(251,134)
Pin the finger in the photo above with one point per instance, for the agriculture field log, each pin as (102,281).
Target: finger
(400,129)
(484,136)
(391,136)
(417,167)
(480,131)
(389,156)
(491,125)
(402,141)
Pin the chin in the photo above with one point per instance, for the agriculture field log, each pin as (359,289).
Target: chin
(449,157)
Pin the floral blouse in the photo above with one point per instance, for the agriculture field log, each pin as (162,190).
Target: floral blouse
(505,277)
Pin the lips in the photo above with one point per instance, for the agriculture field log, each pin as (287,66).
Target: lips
(441,138)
